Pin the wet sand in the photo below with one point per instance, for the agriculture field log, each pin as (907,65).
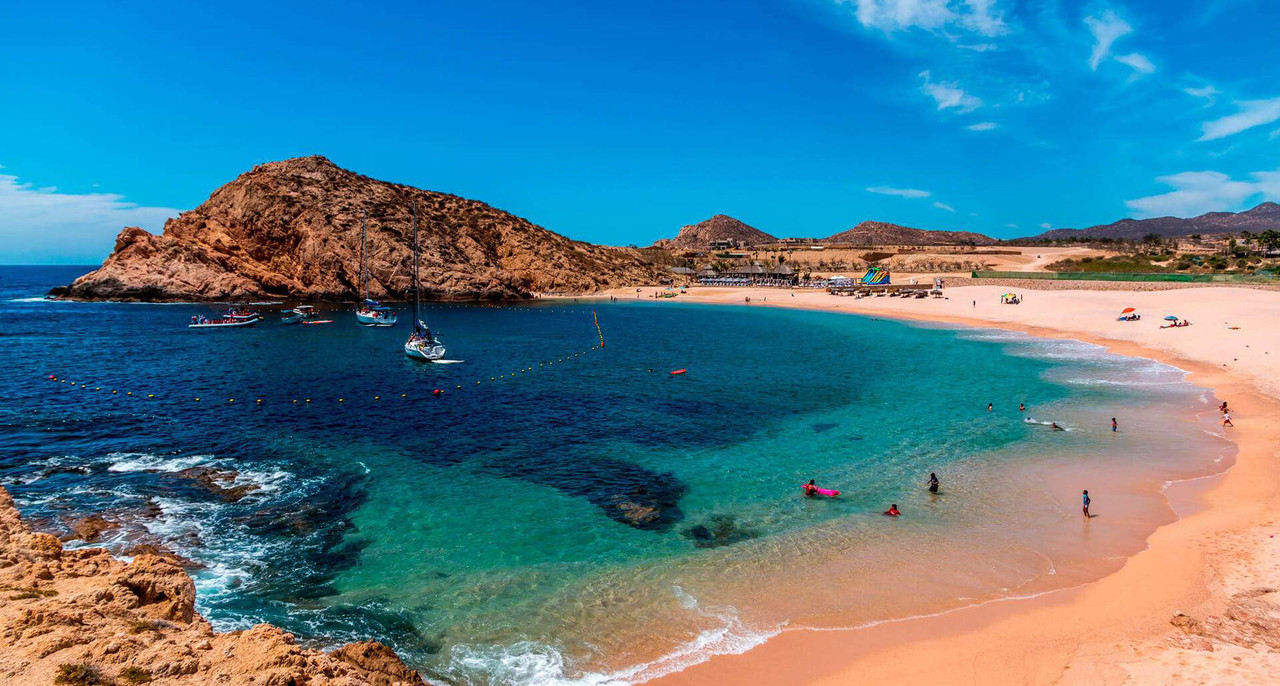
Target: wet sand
(1117,629)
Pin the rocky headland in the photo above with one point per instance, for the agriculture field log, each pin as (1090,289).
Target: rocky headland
(291,229)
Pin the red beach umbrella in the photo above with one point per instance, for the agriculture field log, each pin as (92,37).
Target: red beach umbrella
(1127,310)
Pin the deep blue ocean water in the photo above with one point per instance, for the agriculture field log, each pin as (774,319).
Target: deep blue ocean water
(485,532)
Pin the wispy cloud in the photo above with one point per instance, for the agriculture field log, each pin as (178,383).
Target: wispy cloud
(949,94)
(982,126)
(1251,113)
(1206,92)
(944,206)
(43,225)
(1010,226)
(900,192)
(1106,29)
(1195,193)
(975,16)
(1046,225)
(1137,62)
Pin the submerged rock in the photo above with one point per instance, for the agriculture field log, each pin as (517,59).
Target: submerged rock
(720,530)
(212,480)
(89,529)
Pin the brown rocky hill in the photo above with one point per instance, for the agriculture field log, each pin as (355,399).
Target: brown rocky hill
(292,229)
(718,228)
(884,233)
(80,616)
(1261,218)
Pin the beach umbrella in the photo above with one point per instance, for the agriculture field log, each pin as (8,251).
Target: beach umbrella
(1171,318)
(1126,310)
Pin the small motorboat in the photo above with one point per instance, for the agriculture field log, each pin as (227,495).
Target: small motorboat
(241,314)
(303,314)
(202,322)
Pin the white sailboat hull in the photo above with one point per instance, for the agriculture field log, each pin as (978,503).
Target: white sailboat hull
(421,350)
(375,320)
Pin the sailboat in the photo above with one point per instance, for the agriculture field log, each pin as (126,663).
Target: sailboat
(422,343)
(370,312)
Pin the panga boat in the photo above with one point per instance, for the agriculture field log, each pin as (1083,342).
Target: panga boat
(304,314)
(422,344)
(240,314)
(370,312)
(202,322)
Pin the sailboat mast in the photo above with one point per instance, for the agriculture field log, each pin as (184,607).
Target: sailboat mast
(364,270)
(416,289)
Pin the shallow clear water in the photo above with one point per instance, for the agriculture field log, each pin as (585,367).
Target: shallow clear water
(485,533)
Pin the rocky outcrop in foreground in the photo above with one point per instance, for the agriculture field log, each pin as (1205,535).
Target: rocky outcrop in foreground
(84,617)
(291,229)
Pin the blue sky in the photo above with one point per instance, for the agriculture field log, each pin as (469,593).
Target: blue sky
(619,122)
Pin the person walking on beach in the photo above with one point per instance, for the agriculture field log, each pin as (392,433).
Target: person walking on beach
(1223,408)
(1226,420)
(1114,426)
(933,483)
(1087,500)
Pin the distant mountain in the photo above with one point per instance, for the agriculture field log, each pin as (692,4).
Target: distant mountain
(718,228)
(1259,219)
(884,233)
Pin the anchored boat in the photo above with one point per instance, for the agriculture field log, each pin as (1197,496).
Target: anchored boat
(370,312)
(202,322)
(303,314)
(422,343)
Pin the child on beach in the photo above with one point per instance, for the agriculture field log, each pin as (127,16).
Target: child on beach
(933,482)
(1226,420)
(1087,500)
(1114,426)
(892,511)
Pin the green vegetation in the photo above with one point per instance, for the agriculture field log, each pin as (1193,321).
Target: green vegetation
(28,592)
(81,675)
(135,675)
(142,626)
(1116,263)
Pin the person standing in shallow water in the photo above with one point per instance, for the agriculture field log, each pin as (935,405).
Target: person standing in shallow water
(990,406)
(1114,426)
(1087,501)
(933,482)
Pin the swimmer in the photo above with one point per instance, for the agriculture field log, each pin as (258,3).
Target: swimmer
(933,482)
(1053,426)
(811,488)
(990,406)
(1087,501)
(892,511)
(1022,407)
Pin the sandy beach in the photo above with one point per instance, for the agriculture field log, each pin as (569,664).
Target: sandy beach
(1194,607)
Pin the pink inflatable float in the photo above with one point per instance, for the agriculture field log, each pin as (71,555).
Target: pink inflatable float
(830,493)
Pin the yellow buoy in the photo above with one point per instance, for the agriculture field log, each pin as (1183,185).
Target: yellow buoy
(259,401)
(114,392)
(377,397)
(231,400)
(151,395)
(129,393)
(308,399)
(339,399)
(197,400)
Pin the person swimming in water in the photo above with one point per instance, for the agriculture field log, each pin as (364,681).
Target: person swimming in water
(933,482)
(892,511)
(1053,426)
(990,406)
(1087,500)
(1022,407)
(811,488)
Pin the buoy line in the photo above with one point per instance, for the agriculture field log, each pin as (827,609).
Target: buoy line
(117,391)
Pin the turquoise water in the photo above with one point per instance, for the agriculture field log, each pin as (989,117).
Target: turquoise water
(484,533)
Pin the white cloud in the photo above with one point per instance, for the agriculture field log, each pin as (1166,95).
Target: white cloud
(1106,29)
(1046,225)
(42,225)
(982,126)
(949,94)
(1195,193)
(1010,226)
(975,16)
(1208,92)
(944,206)
(900,192)
(1251,113)
(1138,62)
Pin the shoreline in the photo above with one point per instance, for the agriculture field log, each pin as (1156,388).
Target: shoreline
(1109,628)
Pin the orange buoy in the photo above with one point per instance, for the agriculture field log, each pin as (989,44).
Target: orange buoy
(678,372)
